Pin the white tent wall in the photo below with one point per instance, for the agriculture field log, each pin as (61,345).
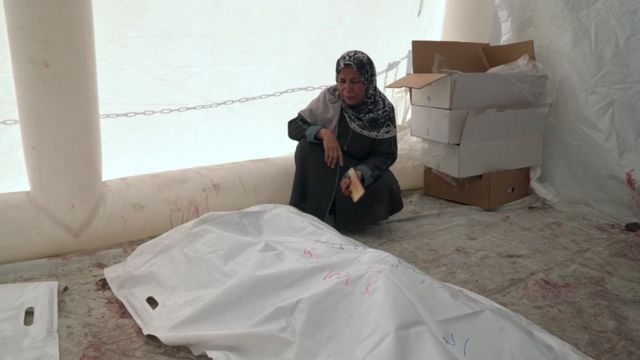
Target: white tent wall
(468,20)
(141,206)
(591,50)
(13,174)
(154,55)
(54,71)
(76,210)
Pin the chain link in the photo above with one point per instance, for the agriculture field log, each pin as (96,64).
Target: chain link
(9,122)
(241,100)
(165,111)
(391,66)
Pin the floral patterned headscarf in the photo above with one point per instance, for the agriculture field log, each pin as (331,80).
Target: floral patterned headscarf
(373,117)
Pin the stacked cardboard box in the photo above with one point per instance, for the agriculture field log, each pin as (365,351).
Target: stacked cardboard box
(478,125)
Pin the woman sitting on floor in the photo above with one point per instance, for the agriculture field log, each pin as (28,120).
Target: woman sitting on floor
(351,124)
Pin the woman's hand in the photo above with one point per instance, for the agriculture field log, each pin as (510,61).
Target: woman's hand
(345,183)
(332,152)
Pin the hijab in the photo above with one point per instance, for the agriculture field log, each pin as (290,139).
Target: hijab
(373,117)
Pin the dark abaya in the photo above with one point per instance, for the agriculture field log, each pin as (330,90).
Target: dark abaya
(316,188)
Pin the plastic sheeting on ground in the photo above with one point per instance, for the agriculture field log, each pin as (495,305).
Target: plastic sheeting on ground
(29,321)
(271,282)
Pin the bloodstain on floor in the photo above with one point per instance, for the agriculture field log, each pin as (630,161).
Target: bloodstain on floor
(102,285)
(632,183)
(547,286)
(608,228)
(92,352)
(634,248)
(555,285)
(116,307)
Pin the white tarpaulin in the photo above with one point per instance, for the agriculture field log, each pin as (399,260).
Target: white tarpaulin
(270,282)
(591,52)
(29,321)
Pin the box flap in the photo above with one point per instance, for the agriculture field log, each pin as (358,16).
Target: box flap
(452,55)
(416,81)
(503,54)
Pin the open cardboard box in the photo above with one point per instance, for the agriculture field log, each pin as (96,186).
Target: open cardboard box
(462,81)
(491,140)
(487,191)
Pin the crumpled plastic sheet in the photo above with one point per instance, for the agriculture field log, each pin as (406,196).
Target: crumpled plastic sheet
(271,282)
(590,52)
(524,84)
(33,336)
(410,150)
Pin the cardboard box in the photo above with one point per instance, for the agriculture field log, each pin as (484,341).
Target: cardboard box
(491,140)
(462,82)
(437,124)
(488,191)
(479,158)
(449,126)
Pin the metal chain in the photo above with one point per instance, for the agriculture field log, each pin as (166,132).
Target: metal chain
(196,107)
(9,122)
(391,66)
(211,105)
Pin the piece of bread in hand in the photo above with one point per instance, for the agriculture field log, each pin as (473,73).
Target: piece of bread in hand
(357,190)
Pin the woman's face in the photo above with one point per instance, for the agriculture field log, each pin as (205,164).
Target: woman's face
(352,88)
